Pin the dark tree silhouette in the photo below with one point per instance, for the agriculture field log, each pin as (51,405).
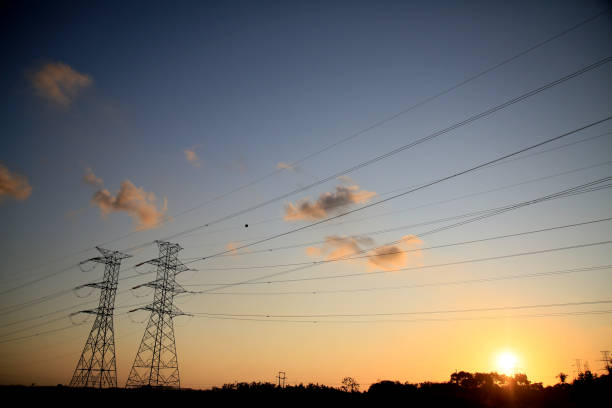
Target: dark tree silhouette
(349,385)
(562,376)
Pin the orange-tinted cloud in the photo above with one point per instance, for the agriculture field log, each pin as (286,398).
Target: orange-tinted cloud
(13,185)
(284,166)
(90,178)
(327,203)
(233,247)
(387,257)
(346,179)
(395,256)
(139,204)
(59,83)
(192,157)
(337,247)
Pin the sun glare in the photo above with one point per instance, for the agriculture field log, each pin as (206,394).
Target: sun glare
(506,363)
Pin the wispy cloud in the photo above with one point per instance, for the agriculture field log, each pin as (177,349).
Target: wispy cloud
(346,180)
(90,178)
(233,247)
(391,257)
(327,203)
(387,257)
(13,185)
(192,157)
(284,166)
(139,204)
(59,83)
(336,247)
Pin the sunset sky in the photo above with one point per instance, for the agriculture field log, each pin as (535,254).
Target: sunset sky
(187,121)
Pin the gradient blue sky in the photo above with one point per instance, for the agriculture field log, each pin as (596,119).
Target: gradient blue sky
(250,84)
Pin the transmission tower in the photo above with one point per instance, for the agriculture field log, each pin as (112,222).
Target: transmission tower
(605,358)
(578,368)
(97,364)
(156,363)
(281,379)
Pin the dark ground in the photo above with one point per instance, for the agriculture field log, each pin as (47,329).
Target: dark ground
(464,390)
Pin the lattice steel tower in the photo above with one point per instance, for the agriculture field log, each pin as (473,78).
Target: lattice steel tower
(97,365)
(156,363)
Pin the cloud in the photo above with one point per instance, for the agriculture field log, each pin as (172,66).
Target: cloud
(336,247)
(90,178)
(395,256)
(13,185)
(346,180)
(284,166)
(192,157)
(387,257)
(327,203)
(59,83)
(139,205)
(233,247)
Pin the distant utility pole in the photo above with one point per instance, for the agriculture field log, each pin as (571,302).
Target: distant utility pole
(578,368)
(97,365)
(156,363)
(281,377)
(605,358)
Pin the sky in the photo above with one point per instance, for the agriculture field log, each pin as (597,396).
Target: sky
(217,125)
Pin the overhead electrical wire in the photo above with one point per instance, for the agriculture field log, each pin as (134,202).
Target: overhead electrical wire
(431,136)
(399,251)
(276,274)
(411,313)
(437,181)
(504,187)
(469,120)
(455,318)
(544,274)
(395,151)
(573,190)
(22,306)
(406,110)
(258,281)
(358,133)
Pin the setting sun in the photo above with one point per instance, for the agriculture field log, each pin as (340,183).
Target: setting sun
(506,363)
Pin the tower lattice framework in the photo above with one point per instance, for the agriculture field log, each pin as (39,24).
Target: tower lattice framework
(156,363)
(97,365)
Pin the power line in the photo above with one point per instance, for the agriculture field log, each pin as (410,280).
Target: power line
(446,311)
(440,180)
(319,291)
(573,190)
(558,314)
(363,164)
(398,251)
(405,110)
(61,318)
(372,273)
(365,130)
(415,286)
(395,151)
(21,306)
(507,186)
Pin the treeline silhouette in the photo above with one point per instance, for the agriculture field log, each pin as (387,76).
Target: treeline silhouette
(464,389)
